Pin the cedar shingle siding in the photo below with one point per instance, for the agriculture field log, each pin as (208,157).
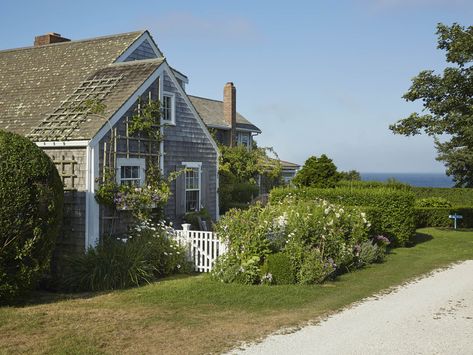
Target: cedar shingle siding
(187,142)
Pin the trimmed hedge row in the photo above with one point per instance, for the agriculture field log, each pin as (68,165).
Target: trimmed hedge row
(438,217)
(391,211)
(457,196)
(374,184)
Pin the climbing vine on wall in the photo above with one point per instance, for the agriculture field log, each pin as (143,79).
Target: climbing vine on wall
(155,191)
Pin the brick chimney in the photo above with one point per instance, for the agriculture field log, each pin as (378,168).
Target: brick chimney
(229,110)
(49,38)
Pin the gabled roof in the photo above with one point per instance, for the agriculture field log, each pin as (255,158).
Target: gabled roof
(211,112)
(40,83)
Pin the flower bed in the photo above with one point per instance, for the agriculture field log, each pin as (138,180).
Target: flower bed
(318,240)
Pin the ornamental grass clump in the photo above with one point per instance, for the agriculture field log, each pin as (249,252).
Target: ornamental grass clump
(146,254)
(318,238)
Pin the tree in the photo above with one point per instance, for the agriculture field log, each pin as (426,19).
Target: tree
(448,104)
(351,175)
(317,172)
(239,171)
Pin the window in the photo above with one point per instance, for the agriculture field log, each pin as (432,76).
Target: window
(131,171)
(193,184)
(168,107)
(243,139)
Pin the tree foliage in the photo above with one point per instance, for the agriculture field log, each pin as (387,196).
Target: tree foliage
(351,175)
(448,104)
(318,172)
(239,169)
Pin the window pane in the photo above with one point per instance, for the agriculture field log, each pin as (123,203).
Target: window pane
(192,178)
(192,201)
(135,172)
(167,108)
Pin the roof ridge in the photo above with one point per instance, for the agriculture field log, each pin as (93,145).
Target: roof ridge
(139,33)
(205,98)
(137,62)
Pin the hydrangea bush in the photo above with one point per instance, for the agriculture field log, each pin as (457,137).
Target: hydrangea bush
(321,239)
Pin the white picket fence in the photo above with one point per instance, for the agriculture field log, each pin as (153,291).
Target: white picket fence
(203,248)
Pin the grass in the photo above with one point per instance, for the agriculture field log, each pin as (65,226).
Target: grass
(192,314)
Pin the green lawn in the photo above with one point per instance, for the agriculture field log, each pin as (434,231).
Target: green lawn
(192,314)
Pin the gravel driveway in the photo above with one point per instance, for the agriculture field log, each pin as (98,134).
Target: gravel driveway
(433,315)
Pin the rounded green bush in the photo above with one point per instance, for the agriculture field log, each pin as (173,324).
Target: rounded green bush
(31,195)
(280,267)
(437,202)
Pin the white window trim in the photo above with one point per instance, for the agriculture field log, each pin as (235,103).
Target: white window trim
(172,95)
(141,162)
(195,165)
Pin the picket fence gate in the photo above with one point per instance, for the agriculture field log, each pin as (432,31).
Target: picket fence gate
(203,248)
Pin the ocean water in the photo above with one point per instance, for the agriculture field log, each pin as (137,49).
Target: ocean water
(414,179)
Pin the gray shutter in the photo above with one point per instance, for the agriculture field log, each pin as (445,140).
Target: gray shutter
(180,192)
(204,189)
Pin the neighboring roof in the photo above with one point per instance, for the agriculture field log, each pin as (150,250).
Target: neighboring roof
(288,165)
(38,83)
(211,112)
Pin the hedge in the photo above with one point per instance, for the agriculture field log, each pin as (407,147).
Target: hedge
(374,184)
(457,196)
(31,195)
(391,211)
(438,217)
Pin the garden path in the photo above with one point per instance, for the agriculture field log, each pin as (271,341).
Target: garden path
(431,315)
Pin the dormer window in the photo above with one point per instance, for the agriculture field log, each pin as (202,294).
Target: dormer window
(169,107)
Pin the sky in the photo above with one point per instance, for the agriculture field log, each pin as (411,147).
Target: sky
(317,77)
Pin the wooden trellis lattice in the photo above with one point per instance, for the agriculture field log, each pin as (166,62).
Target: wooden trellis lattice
(65,173)
(72,112)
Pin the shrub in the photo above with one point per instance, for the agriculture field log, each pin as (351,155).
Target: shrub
(457,196)
(146,255)
(372,251)
(314,269)
(193,218)
(392,184)
(391,211)
(31,195)
(297,228)
(437,202)
(438,217)
(279,267)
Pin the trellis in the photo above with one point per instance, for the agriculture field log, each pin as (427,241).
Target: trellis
(72,112)
(119,145)
(65,172)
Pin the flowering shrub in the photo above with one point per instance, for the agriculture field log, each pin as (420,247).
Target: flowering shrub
(390,211)
(318,237)
(143,256)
